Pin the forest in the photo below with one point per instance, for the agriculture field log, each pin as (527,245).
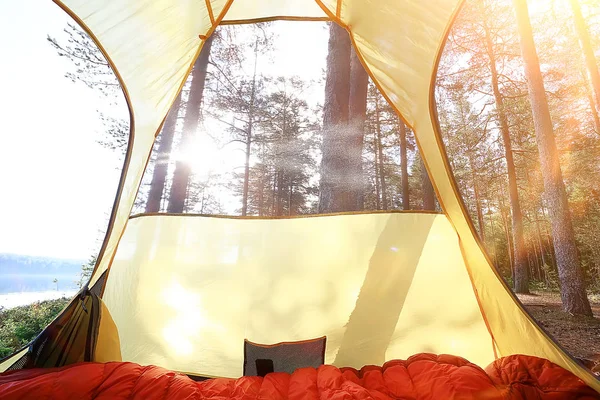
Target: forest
(270,142)
(264,127)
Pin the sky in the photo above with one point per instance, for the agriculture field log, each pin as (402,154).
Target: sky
(58,183)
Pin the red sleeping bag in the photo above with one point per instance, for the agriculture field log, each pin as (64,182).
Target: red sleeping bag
(421,377)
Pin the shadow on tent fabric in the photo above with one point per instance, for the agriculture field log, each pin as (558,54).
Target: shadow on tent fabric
(383,293)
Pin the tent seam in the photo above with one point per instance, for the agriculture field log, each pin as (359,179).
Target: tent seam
(285,217)
(332,16)
(210,12)
(274,18)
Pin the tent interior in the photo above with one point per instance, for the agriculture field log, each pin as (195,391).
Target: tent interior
(183,286)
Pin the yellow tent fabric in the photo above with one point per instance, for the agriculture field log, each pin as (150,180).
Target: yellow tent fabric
(152,46)
(185,291)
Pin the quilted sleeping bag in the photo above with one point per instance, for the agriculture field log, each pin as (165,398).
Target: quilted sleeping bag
(421,377)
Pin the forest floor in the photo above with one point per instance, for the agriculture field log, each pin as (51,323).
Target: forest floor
(579,335)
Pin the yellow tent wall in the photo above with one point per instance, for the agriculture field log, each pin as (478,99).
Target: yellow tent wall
(152,46)
(185,291)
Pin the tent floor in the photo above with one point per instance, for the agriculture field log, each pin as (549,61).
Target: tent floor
(577,334)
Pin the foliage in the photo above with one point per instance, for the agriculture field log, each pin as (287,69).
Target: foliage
(468,117)
(86,271)
(91,68)
(20,325)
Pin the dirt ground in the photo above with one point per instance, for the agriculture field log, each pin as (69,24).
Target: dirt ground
(578,335)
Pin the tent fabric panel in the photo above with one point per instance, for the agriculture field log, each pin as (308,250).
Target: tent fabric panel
(399,42)
(242,10)
(108,346)
(185,291)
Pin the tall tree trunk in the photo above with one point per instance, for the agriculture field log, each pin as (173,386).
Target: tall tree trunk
(290,195)
(428,193)
(573,292)
(509,244)
(248,138)
(279,203)
(404,165)
(333,190)
(274,194)
(588,51)
(384,201)
(376,166)
(181,176)
(549,242)
(357,107)
(595,115)
(589,92)
(203,200)
(533,249)
(245,190)
(159,174)
(477,198)
(492,246)
(596,255)
(521,279)
(531,259)
(541,245)
(261,191)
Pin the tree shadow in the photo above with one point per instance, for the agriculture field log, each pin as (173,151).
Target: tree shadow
(386,285)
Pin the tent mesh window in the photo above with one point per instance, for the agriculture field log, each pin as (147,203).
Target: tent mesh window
(260,359)
(247,136)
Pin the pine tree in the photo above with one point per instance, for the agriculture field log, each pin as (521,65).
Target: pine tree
(402,142)
(287,143)
(590,58)
(240,103)
(163,154)
(181,176)
(521,269)
(94,71)
(427,189)
(357,111)
(573,291)
(334,188)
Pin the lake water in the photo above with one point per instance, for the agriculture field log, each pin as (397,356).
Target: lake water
(22,289)
(10,300)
